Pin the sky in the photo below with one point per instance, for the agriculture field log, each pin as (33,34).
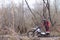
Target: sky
(16,2)
(5,3)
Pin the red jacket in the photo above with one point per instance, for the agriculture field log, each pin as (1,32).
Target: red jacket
(47,23)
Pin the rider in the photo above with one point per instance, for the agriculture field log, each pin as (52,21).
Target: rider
(46,23)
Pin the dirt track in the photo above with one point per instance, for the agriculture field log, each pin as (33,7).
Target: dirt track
(41,38)
(8,37)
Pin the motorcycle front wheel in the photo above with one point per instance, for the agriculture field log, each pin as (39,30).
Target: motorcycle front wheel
(30,34)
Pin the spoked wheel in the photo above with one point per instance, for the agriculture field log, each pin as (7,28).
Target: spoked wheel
(30,34)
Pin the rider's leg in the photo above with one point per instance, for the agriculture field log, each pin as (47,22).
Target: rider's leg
(47,30)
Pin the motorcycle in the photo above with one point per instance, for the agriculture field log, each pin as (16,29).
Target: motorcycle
(37,32)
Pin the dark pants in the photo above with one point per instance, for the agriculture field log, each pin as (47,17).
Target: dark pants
(47,28)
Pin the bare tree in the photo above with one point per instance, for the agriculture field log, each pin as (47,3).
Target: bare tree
(31,11)
(44,9)
(46,6)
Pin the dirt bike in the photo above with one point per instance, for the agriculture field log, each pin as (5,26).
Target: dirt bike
(37,32)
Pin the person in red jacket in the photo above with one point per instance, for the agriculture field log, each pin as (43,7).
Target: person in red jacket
(46,23)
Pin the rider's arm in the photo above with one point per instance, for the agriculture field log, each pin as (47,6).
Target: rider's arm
(42,24)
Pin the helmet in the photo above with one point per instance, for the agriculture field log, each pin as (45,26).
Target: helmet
(44,19)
